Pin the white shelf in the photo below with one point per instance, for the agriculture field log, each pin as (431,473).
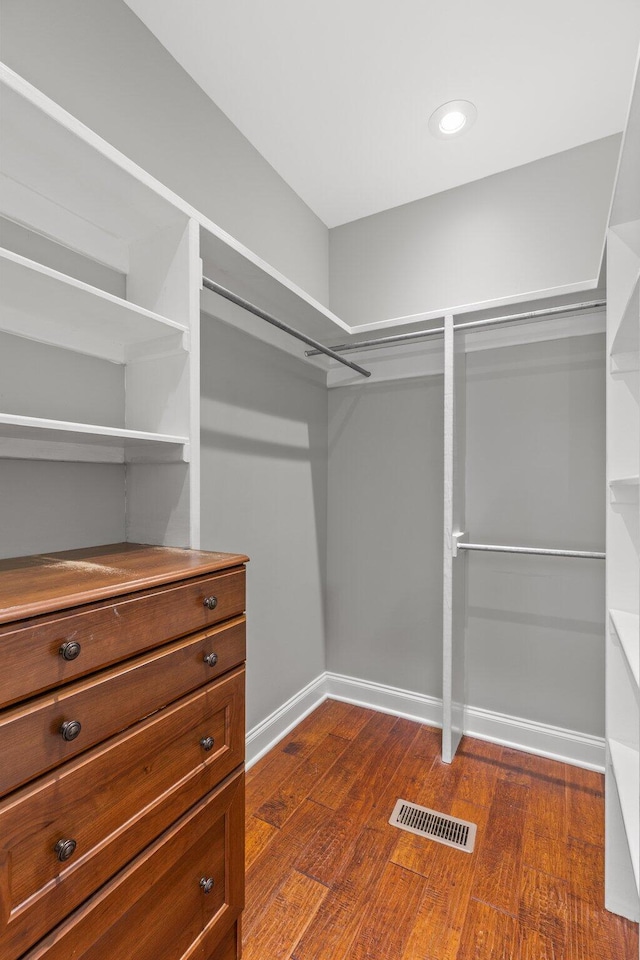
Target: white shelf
(624,489)
(626,767)
(41,439)
(39,303)
(627,627)
(62,180)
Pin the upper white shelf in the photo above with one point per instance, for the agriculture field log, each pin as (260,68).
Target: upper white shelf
(59,178)
(626,768)
(627,626)
(41,439)
(41,304)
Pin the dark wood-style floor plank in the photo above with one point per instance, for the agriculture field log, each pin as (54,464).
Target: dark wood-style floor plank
(488,934)
(449,876)
(497,876)
(328,878)
(296,787)
(388,922)
(278,857)
(332,790)
(338,920)
(291,912)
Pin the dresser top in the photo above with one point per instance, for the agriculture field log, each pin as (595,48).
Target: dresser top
(30,586)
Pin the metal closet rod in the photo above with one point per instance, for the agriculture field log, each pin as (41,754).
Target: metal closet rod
(541,551)
(470,325)
(256,311)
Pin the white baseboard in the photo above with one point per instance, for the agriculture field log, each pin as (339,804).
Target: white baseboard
(378,696)
(544,740)
(261,738)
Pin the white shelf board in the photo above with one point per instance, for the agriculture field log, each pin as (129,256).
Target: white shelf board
(232,265)
(37,438)
(626,768)
(627,626)
(39,303)
(624,489)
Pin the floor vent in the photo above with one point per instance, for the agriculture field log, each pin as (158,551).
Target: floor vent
(436,826)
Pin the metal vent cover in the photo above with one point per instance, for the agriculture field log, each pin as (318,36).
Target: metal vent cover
(440,827)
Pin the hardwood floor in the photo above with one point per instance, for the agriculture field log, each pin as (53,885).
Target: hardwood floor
(329,879)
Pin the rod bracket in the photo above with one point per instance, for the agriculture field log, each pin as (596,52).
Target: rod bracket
(456,538)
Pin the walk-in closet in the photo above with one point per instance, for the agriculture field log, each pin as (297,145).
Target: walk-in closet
(319,456)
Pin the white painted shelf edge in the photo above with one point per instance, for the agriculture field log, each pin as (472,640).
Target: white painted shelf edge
(627,627)
(106,324)
(626,768)
(15,425)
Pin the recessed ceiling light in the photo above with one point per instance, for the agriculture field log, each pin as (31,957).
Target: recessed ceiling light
(452,118)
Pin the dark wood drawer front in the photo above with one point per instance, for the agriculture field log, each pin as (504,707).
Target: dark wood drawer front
(160,898)
(31,741)
(112,631)
(111,802)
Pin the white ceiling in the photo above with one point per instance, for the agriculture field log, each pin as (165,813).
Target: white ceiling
(337,94)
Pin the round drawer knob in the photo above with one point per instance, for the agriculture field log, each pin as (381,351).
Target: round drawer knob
(207,884)
(70,650)
(210,602)
(211,659)
(65,849)
(70,729)
(207,743)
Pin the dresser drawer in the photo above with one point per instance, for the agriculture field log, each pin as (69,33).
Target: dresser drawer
(111,802)
(32,737)
(164,912)
(30,651)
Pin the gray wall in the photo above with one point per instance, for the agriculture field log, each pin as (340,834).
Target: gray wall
(384,619)
(529,229)
(59,506)
(96,59)
(534,475)
(264,493)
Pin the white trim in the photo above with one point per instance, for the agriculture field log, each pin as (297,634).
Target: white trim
(266,734)
(493,303)
(378,696)
(540,739)
(424,358)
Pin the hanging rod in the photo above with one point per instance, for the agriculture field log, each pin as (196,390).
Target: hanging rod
(256,311)
(541,551)
(470,325)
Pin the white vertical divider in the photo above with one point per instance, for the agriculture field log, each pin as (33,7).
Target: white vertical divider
(163,387)
(454,563)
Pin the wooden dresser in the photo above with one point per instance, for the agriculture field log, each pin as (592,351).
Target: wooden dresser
(121,754)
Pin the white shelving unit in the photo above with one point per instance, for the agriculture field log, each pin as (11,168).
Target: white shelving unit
(622,874)
(61,181)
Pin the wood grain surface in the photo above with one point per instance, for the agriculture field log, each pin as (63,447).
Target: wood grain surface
(329,879)
(38,584)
